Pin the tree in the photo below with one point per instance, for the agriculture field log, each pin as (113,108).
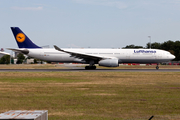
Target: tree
(154,45)
(5,59)
(169,45)
(35,61)
(20,58)
(132,46)
(177,50)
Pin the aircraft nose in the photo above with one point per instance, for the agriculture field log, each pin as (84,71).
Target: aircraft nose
(172,57)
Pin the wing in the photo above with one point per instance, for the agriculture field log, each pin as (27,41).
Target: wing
(83,55)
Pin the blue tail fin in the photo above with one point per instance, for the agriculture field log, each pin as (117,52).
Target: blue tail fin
(22,40)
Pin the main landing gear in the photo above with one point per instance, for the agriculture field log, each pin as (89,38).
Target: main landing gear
(91,66)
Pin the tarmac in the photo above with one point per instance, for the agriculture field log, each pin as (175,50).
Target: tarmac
(83,70)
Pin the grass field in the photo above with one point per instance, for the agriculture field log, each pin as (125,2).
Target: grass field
(91,95)
(32,66)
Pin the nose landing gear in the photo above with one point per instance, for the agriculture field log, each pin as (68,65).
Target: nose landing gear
(157,67)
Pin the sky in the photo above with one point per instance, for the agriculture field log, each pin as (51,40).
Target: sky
(90,23)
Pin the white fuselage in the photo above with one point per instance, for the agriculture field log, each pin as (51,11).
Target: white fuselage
(123,55)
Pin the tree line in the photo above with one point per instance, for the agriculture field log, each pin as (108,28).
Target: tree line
(6,59)
(20,59)
(171,46)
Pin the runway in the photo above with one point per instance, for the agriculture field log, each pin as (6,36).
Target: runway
(83,70)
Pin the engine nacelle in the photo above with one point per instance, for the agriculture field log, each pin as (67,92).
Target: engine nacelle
(109,63)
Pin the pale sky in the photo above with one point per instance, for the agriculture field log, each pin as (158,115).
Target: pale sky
(90,23)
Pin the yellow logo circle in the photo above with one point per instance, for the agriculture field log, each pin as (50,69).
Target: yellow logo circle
(20,37)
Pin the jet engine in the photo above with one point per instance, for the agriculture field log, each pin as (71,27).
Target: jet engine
(109,63)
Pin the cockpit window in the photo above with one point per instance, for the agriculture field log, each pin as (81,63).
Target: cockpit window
(168,53)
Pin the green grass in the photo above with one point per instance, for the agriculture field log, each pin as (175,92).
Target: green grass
(91,95)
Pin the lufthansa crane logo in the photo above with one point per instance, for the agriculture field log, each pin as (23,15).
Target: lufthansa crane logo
(20,37)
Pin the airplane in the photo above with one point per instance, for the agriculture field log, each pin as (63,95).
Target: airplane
(102,57)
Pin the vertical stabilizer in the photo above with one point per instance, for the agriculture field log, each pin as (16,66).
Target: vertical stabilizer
(22,40)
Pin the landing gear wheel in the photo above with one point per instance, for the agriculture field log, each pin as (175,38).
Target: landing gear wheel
(157,67)
(86,67)
(93,67)
(90,67)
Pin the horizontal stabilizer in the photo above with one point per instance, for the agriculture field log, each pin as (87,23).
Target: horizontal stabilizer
(24,51)
(4,53)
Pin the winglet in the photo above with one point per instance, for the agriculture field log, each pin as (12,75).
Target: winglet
(57,48)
